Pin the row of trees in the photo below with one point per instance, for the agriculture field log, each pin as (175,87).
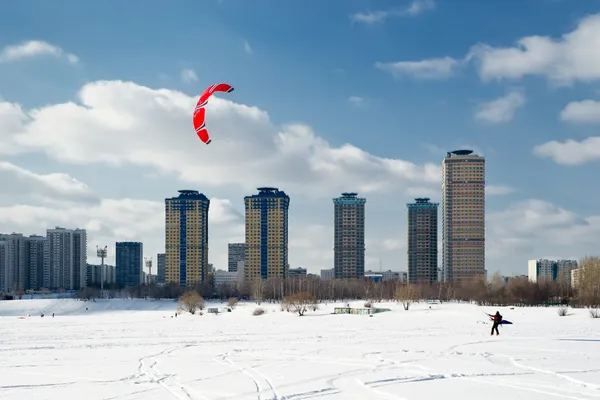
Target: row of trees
(517,291)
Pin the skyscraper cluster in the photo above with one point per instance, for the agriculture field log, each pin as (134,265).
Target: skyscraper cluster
(264,254)
(463,224)
(56,261)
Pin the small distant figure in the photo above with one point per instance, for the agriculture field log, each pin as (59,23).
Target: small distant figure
(175,315)
(497,319)
(86,309)
(42,315)
(52,315)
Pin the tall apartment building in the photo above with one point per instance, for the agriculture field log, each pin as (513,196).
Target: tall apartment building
(14,268)
(22,261)
(550,270)
(463,216)
(129,263)
(235,252)
(349,236)
(39,254)
(186,238)
(422,242)
(96,272)
(266,234)
(160,268)
(66,266)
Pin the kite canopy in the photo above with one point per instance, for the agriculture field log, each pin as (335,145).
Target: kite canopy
(200,111)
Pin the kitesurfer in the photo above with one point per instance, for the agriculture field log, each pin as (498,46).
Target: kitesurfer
(497,319)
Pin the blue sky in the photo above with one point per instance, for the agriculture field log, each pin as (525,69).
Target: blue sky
(301,62)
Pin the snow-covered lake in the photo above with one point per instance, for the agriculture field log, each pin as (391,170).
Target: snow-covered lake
(133,350)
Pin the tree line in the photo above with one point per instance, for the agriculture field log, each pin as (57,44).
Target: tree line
(515,291)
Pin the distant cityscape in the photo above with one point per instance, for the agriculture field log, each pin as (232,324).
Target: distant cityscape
(58,261)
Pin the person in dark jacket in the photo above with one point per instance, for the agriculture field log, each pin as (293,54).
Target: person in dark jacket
(497,319)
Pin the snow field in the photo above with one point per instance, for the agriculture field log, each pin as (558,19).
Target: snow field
(133,350)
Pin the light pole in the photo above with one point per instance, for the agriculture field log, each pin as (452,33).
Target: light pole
(101,253)
(149,266)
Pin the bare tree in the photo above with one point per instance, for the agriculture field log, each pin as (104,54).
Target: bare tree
(258,311)
(191,301)
(589,285)
(300,302)
(232,302)
(406,294)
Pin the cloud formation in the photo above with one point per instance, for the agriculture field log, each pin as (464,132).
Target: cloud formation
(34,48)
(291,156)
(582,112)
(417,7)
(247,47)
(188,75)
(356,101)
(562,61)
(435,68)
(502,109)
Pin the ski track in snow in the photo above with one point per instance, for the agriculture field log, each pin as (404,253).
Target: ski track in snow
(146,355)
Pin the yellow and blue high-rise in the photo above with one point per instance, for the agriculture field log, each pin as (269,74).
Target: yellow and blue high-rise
(266,234)
(186,238)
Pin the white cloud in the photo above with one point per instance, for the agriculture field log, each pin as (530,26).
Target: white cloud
(189,76)
(292,157)
(21,184)
(528,229)
(502,109)
(495,190)
(570,152)
(356,101)
(573,57)
(247,47)
(417,7)
(112,220)
(34,48)
(437,68)
(583,112)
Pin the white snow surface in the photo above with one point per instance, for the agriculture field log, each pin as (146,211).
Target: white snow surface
(134,350)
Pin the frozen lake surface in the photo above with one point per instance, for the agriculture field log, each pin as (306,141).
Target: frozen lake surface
(134,350)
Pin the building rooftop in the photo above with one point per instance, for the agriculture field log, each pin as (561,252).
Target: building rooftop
(268,192)
(189,195)
(422,202)
(349,198)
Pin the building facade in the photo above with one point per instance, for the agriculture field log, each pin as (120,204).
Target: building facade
(186,238)
(328,274)
(95,274)
(463,216)
(38,257)
(422,236)
(160,268)
(297,272)
(235,252)
(266,253)
(67,259)
(129,263)
(550,270)
(349,236)
(221,277)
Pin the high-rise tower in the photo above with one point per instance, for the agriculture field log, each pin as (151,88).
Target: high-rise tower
(349,236)
(463,216)
(422,241)
(235,253)
(129,258)
(266,234)
(186,238)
